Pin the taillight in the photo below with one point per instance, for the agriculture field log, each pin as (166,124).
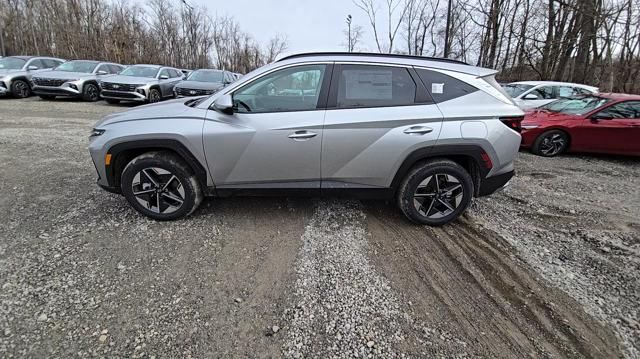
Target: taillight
(513,122)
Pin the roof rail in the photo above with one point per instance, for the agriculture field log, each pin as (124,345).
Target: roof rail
(372,54)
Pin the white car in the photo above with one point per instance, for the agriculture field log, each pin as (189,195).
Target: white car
(532,94)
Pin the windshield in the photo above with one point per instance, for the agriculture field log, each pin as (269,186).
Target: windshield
(77,66)
(575,106)
(205,76)
(515,90)
(140,71)
(11,63)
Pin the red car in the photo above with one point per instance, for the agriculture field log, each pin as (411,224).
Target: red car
(601,123)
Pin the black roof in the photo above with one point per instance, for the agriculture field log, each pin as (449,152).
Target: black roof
(373,54)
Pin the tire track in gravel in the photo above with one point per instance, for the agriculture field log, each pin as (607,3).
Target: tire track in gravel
(465,280)
(343,308)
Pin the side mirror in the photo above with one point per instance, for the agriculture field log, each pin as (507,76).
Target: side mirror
(530,96)
(164,77)
(101,72)
(224,104)
(32,67)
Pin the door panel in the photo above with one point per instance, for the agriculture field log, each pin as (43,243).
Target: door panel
(617,131)
(266,149)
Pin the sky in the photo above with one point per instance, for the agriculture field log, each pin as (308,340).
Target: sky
(309,25)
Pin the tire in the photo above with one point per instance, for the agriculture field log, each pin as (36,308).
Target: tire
(551,143)
(154,96)
(47,97)
(20,89)
(424,202)
(112,101)
(161,178)
(90,92)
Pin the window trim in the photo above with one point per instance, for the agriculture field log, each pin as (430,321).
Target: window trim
(322,96)
(421,97)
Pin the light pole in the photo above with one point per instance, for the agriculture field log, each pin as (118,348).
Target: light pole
(349,18)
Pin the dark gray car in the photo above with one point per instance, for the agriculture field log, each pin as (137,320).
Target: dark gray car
(203,82)
(141,83)
(77,78)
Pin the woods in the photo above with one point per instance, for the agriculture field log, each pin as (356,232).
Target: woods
(167,32)
(596,42)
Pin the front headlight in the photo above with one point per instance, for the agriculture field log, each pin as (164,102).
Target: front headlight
(96,132)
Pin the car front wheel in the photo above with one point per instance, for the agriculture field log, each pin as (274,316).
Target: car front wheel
(551,143)
(20,89)
(161,186)
(435,192)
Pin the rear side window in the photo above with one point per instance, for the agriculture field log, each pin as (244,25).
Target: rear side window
(374,86)
(444,87)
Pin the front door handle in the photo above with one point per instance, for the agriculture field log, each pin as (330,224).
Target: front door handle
(302,135)
(418,130)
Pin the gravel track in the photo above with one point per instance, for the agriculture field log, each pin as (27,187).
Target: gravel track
(548,268)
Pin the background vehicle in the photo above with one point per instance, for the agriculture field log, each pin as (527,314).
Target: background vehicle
(77,78)
(16,72)
(382,126)
(531,94)
(203,82)
(603,123)
(141,83)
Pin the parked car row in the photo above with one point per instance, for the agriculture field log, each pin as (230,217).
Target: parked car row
(22,76)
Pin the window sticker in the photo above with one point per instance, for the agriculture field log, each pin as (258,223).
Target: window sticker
(437,88)
(368,84)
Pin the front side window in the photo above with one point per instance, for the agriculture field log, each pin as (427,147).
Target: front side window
(374,86)
(140,71)
(544,93)
(11,63)
(291,89)
(77,66)
(164,72)
(623,110)
(567,91)
(114,69)
(38,63)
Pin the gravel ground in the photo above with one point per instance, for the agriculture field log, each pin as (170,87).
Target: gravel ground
(548,268)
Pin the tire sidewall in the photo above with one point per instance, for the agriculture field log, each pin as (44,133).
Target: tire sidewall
(187,179)
(86,95)
(14,92)
(538,142)
(159,98)
(415,177)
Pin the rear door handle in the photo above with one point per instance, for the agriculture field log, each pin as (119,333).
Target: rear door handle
(302,135)
(418,130)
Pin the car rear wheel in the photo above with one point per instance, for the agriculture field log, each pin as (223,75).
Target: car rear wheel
(435,192)
(161,186)
(112,101)
(90,93)
(20,89)
(154,96)
(551,143)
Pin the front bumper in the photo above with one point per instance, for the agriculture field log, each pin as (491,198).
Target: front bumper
(123,95)
(3,89)
(496,183)
(56,91)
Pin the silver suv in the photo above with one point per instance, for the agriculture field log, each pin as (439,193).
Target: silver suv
(77,78)
(429,133)
(203,82)
(16,73)
(141,83)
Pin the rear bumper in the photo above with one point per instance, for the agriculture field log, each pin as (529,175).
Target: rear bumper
(493,184)
(3,90)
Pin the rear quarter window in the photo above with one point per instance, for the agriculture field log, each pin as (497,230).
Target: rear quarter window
(443,87)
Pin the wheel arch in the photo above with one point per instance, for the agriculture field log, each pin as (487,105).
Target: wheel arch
(470,157)
(123,153)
